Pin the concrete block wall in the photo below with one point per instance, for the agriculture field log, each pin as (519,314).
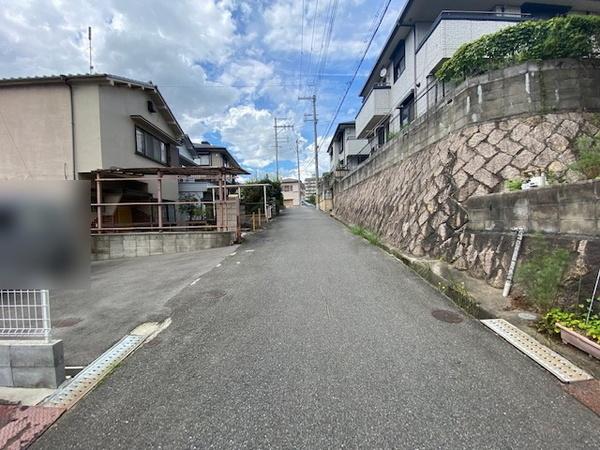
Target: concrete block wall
(31,364)
(130,245)
(528,89)
(567,209)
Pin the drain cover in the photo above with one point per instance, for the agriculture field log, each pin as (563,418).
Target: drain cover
(66,322)
(562,368)
(213,294)
(446,316)
(89,377)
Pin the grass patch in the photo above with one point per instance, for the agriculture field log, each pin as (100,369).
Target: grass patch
(366,234)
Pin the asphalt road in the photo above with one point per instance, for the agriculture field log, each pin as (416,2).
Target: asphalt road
(123,294)
(309,337)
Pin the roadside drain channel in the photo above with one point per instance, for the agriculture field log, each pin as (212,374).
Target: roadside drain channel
(88,378)
(84,379)
(562,368)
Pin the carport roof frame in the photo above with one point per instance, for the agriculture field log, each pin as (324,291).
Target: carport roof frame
(190,171)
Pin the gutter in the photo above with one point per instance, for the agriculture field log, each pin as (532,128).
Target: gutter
(67,83)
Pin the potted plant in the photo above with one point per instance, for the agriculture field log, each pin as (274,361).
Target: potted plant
(574,329)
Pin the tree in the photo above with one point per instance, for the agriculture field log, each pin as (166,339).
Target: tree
(189,209)
(252,196)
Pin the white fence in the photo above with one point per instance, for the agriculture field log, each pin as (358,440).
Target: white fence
(25,313)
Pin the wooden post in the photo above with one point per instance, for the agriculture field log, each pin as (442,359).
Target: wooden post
(160,217)
(98,201)
(253,221)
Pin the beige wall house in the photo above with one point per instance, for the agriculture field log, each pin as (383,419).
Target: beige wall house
(65,127)
(293,192)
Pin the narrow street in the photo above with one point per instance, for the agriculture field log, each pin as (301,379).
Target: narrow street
(309,337)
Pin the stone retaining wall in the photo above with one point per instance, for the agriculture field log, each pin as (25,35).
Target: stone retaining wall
(129,245)
(413,193)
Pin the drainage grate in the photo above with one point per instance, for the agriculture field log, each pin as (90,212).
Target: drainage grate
(562,368)
(89,377)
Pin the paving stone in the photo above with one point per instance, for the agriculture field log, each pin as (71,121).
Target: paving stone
(519,132)
(568,129)
(509,146)
(557,143)
(498,162)
(486,150)
(474,165)
(487,178)
(496,136)
(542,131)
(523,159)
(476,139)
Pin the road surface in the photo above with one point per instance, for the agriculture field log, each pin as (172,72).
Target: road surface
(309,337)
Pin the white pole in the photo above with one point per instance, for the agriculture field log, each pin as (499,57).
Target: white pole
(513,262)
(587,319)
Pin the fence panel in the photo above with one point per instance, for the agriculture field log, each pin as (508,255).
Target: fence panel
(25,313)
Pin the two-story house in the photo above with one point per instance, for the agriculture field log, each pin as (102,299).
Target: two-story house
(204,155)
(66,127)
(293,192)
(345,151)
(402,84)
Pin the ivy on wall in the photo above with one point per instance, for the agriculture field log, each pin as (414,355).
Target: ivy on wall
(535,40)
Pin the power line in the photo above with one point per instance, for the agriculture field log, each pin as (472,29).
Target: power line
(333,5)
(362,59)
(301,48)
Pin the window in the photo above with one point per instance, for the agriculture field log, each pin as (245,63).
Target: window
(381,135)
(399,60)
(151,147)
(203,159)
(287,188)
(406,111)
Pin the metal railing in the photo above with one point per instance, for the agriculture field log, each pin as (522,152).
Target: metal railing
(25,313)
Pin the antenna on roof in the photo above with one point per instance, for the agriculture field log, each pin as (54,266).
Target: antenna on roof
(90,40)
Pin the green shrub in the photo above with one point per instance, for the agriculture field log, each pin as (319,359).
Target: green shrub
(541,274)
(514,184)
(560,37)
(571,320)
(588,157)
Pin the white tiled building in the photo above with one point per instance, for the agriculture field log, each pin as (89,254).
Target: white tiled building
(402,84)
(345,151)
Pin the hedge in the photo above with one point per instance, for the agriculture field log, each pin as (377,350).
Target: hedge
(534,40)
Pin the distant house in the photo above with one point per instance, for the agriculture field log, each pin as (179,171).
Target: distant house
(402,84)
(65,127)
(345,151)
(293,192)
(203,155)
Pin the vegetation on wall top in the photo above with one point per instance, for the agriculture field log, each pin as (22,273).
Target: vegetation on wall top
(535,40)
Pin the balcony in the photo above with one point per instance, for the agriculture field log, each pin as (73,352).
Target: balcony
(451,29)
(374,109)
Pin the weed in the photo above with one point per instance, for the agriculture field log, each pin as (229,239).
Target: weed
(588,160)
(541,274)
(366,234)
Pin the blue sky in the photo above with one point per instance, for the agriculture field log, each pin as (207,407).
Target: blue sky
(226,67)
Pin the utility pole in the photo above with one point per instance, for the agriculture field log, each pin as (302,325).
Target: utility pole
(277,128)
(276,148)
(313,98)
(298,158)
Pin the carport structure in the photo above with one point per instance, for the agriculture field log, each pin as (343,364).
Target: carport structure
(155,213)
